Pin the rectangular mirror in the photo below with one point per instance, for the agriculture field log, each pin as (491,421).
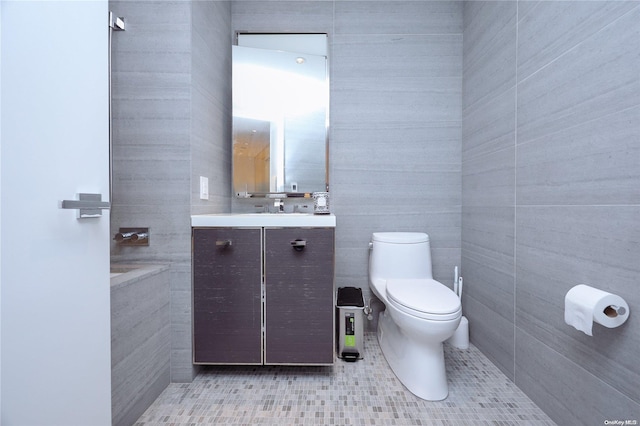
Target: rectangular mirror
(280,114)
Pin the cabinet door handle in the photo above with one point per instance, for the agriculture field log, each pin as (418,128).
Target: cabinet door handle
(224,243)
(298,244)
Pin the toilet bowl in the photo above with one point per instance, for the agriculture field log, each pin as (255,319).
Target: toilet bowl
(420,313)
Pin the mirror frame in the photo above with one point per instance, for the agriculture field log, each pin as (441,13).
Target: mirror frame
(287,194)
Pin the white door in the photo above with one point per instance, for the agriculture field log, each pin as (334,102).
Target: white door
(55,340)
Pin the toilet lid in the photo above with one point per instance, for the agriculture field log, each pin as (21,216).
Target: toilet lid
(424,296)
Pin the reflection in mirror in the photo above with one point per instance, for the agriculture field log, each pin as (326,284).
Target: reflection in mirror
(280,105)
(251,155)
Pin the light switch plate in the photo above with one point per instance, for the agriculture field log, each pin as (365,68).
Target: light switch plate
(204,188)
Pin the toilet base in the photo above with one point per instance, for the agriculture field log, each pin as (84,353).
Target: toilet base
(418,365)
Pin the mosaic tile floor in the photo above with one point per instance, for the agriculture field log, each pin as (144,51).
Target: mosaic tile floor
(362,393)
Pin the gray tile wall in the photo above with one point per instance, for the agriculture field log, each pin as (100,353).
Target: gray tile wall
(488,177)
(395,120)
(551,165)
(211,105)
(171,115)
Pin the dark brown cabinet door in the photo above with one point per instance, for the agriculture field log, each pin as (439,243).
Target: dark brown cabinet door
(227,305)
(299,305)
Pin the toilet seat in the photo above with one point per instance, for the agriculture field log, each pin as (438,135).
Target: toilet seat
(424,298)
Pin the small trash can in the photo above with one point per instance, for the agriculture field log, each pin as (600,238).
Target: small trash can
(350,323)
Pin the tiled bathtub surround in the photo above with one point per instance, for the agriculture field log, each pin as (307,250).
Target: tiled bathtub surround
(551,196)
(362,393)
(140,338)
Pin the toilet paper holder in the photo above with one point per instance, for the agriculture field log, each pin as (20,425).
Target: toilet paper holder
(613,311)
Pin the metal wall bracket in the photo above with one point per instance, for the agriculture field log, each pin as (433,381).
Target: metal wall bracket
(88,205)
(116,23)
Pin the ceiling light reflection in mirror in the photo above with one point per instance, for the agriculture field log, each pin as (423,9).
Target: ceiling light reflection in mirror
(271,92)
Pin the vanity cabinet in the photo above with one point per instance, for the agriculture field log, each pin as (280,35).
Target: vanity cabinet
(227,302)
(263,295)
(299,305)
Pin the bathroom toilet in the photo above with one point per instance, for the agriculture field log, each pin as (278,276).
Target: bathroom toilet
(420,313)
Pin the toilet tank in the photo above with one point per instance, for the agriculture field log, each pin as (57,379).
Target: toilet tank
(400,255)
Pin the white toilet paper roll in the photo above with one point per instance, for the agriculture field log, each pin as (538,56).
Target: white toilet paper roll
(583,305)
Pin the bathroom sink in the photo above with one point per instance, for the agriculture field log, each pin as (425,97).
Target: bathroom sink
(281,214)
(264,219)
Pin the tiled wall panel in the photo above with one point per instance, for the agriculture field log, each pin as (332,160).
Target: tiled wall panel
(564,390)
(151,99)
(210,106)
(282,16)
(559,247)
(488,177)
(570,214)
(171,125)
(398,17)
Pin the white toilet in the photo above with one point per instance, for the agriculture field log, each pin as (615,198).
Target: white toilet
(420,314)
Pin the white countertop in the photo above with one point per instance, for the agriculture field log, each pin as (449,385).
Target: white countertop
(264,219)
